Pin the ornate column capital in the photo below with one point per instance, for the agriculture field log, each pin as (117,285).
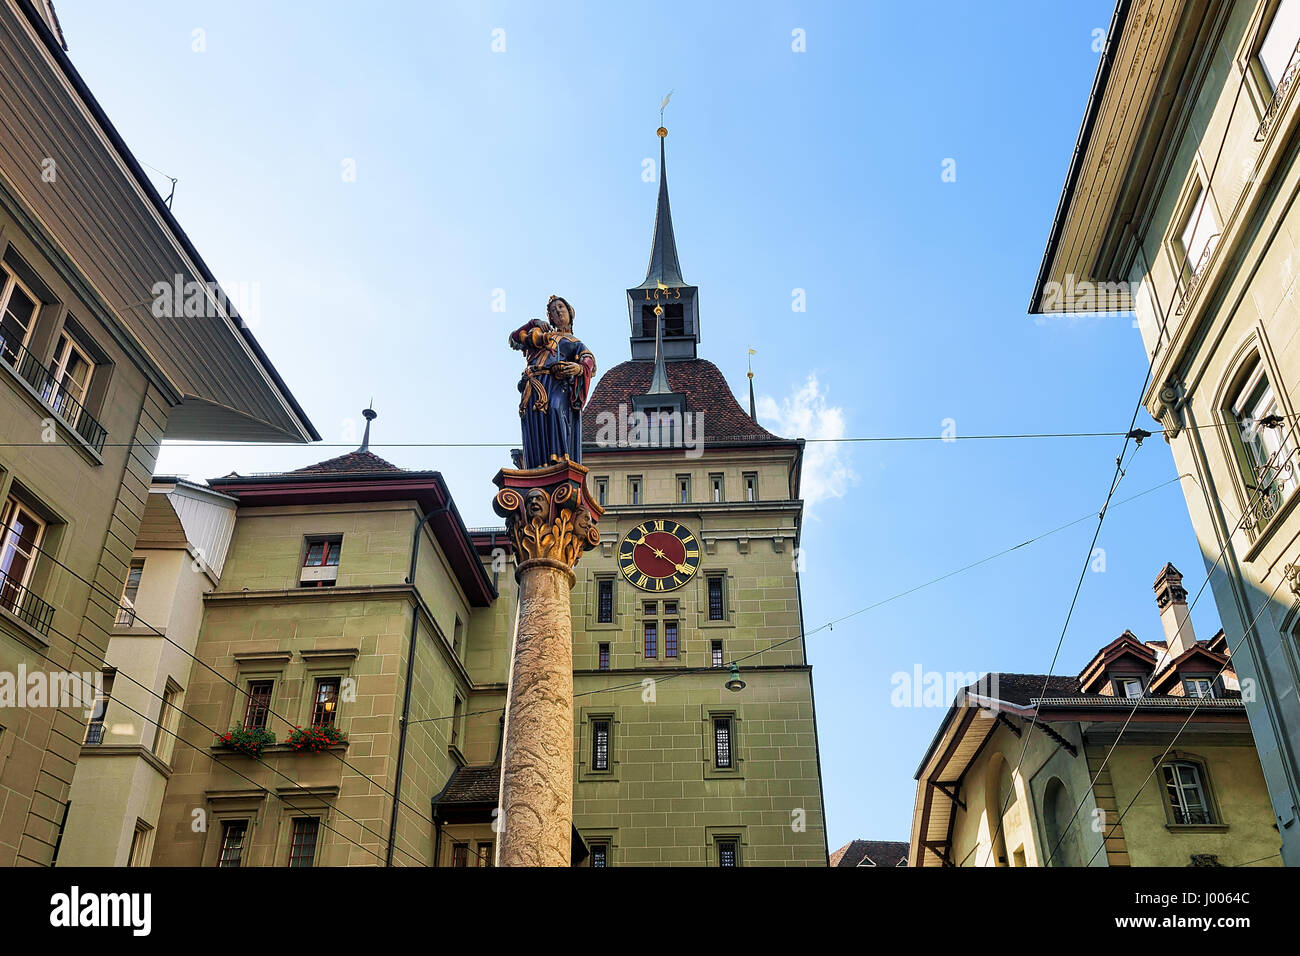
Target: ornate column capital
(550,517)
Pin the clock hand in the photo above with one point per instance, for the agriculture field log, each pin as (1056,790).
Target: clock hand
(657,552)
(682,568)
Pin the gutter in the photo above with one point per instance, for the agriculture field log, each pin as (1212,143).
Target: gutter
(406,693)
(1117,23)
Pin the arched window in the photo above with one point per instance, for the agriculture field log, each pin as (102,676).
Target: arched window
(1061,826)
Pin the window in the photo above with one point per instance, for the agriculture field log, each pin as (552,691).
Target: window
(485,853)
(1198,686)
(20,541)
(232,842)
(728,853)
(1199,233)
(1128,686)
(651,608)
(751,486)
(17,311)
(717,654)
(320,565)
(715,484)
(604,657)
(602,491)
(259,704)
(684,488)
(670,639)
(670,608)
(326,705)
(651,639)
(457,632)
(605,601)
(302,843)
(599,855)
(162,734)
(634,490)
(456,706)
(69,378)
(1186,791)
(1263,449)
(1278,48)
(460,855)
(600,745)
(95,729)
(722,743)
(139,855)
(716,608)
(126,610)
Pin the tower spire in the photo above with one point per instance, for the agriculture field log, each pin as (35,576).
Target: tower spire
(659,382)
(370,415)
(752,414)
(664,268)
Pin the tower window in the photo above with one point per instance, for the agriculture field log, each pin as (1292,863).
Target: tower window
(722,743)
(600,745)
(727,853)
(604,657)
(634,490)
(651,640)
(751,486)
(717,654)
(605,601)
(602,491)
(670,639)
(716,488)
(684,488)
(716,608)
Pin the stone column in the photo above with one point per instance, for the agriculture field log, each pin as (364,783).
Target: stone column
(551,520)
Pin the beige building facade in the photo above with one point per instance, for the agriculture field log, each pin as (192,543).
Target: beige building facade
(92,378)
(1180,205)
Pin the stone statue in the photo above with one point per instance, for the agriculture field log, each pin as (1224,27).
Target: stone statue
(554,385)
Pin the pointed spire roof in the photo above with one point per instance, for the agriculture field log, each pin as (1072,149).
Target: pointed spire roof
(664,267)
(360,462)
(659,380)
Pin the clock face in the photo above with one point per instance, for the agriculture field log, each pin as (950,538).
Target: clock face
(659,555)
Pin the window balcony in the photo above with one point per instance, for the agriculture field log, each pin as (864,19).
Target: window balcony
(25,365)
(24,605)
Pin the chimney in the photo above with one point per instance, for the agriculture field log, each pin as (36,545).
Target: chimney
(1171,598)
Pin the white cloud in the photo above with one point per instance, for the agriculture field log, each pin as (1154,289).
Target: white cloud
(806,414)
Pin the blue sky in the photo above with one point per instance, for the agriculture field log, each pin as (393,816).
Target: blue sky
(521,171)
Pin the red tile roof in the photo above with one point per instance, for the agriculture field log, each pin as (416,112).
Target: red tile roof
(870,853)
(707,394)
(353,463)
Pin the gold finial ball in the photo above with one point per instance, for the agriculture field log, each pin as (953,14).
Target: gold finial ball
(661,132)
(659,310)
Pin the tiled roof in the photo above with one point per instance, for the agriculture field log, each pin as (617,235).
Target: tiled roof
(1023,688)
(870,852)
(353,463)
(471,785)
(707,394)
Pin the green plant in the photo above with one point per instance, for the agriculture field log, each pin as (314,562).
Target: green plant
(247,740)
(315,739)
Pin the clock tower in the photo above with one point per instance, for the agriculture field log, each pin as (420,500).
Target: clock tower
(697,570)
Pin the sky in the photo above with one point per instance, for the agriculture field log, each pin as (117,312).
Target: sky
(384,178)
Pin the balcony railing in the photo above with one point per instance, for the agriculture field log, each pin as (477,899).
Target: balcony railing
(1279,95)
(95,734)
(31,371)
(23,604)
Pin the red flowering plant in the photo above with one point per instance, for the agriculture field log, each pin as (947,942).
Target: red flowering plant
(246,740)
(315,739)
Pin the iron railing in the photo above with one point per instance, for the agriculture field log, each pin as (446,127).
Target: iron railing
(1279,94)
(95,733)
(19,601)
(31,371)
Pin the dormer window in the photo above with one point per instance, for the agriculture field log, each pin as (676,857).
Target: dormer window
(320,566)
(1198,686)
(1128,686)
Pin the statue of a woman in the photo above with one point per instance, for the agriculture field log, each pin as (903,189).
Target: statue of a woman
(554,385)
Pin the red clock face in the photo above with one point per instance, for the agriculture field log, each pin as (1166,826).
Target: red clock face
(659,555)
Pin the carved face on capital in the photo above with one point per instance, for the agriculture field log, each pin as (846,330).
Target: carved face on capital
(559,314)
(537,505)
